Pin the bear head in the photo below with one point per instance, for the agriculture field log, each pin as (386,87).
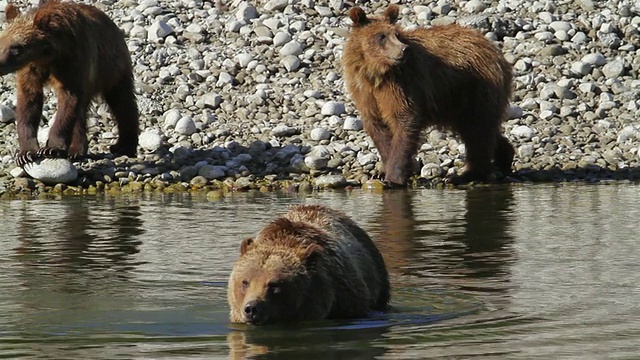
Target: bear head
(379,38)
(275,273)
(26,40)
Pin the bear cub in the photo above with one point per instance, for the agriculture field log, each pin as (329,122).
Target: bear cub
(82,54)
(312,263)
(446,76)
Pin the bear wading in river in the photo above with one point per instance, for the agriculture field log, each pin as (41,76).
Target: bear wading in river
(446,76)
(82,54)
(312,263)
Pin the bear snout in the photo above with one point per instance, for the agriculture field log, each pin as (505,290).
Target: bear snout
(253,311)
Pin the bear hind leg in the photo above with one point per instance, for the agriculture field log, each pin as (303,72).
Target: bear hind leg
(480,149)
(503,157)
(122,102)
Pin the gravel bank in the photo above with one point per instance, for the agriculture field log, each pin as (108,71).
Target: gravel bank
(250,95)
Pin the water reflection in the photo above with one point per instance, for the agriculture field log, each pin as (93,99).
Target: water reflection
(527,271)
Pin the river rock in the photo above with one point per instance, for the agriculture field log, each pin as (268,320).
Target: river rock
(52,171)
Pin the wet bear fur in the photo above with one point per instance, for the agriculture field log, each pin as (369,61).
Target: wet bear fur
(312,263)
(448,76)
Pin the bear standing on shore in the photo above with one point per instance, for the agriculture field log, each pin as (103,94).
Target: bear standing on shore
(448,76)
(312,263)
(82,54)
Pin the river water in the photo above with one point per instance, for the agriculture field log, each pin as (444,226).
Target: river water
(515,272)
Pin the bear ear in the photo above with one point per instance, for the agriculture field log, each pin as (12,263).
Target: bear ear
(245,245)
(392,13)
(312,253)
(358,17)
(11,12)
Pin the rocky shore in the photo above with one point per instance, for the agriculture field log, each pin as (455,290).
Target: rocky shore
(250,95)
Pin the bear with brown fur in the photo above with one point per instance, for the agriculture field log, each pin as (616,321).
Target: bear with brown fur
(446,76)
(312,263)
(82,54)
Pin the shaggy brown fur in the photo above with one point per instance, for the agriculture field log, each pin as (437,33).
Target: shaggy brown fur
(448,76)
(82,54)
(312,263)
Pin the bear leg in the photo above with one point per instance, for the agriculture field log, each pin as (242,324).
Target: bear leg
(122,102)
(381,136)
(79,143)
(480,147)
(503,157)
(399,166)
(28,115)
(70,119)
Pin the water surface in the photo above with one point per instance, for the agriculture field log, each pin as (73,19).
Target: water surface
(544,271)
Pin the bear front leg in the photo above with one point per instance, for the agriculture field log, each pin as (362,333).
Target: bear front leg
(381,136)
(28,114)
(403,147)
(70,118)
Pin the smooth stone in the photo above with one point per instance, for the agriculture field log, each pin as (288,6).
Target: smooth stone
(352,123)
(330,181)
(332,108)
(52,171)
(185,126)
(158,31)
(150,140)
(318,134)
(522,131)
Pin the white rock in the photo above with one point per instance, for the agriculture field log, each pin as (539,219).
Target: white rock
(526,150)
(318,134)
(613,69)
(475,6)
(332,108)
(291,48)
(276,5)
(185,126)
(580,68)
(243,59)
(522,131)
(352,123)
(281,38)
(159,30)
(596,59)
(52,171)
(560,26)
(171,118)
(212,100)
(6,114)
(43,135)
(150,140)
(290,62)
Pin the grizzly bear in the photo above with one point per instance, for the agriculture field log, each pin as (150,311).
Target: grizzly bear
(82,54)
(312,263)
(446,76)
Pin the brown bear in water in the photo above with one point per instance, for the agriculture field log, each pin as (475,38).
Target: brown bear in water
(448,76)
(81,53)
(312,263)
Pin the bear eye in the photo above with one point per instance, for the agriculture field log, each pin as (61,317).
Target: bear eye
(15,50)
(381,38)
(245,284)
(274,288)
